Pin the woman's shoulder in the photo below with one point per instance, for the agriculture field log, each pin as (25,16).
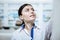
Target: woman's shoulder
(17,31)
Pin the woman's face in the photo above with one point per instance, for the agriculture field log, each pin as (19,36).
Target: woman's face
(28,14)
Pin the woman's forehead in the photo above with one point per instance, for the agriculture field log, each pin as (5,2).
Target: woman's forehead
(28,6)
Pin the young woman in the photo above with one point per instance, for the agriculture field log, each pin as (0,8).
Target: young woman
(28,30)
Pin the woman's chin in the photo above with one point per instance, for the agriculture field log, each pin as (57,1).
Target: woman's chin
(32,19)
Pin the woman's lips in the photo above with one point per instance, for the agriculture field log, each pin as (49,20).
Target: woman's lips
(32,16)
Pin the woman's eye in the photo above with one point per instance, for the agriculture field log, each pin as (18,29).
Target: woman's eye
(32,9)
(27,10)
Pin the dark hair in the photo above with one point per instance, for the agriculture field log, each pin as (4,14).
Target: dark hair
(21,8)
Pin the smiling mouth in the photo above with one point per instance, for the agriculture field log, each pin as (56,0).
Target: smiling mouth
(32,16)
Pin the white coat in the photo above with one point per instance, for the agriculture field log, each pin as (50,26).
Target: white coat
(22,34)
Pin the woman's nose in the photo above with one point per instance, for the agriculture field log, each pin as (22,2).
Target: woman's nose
(32,11)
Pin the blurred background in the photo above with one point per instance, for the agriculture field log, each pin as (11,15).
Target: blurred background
(47,11)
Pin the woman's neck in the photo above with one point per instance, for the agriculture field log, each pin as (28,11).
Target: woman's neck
(28,26)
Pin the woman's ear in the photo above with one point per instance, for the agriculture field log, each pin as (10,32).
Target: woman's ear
(21,17)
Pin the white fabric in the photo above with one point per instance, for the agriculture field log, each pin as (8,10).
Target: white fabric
(24,35)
